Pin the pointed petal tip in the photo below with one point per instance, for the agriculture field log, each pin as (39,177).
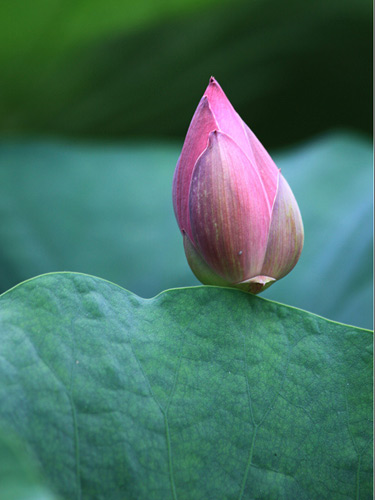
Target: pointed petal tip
(213,85)
(216,138)
(202,105)
(213,136)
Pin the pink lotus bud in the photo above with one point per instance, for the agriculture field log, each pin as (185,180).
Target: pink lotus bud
(240,222)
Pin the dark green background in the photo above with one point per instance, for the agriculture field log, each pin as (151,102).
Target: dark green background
(137,69)
(95,99)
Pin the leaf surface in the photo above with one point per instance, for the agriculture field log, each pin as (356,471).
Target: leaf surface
(200,393)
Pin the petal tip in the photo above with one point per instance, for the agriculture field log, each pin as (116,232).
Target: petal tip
(213,89)
(213,136)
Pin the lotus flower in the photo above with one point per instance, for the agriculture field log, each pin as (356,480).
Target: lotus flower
(240,222)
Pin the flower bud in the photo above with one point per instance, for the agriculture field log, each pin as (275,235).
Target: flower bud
(240,222)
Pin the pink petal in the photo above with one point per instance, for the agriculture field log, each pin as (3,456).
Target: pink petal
(228,120)
(286,234)
(228,210)
(202,123)
(266,166)
(231,124)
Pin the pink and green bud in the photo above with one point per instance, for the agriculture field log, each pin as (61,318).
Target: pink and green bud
(240,222)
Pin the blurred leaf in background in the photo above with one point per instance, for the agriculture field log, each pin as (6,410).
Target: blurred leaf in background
(107,211)
(132,73)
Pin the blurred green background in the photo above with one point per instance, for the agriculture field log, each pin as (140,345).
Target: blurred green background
(95,100)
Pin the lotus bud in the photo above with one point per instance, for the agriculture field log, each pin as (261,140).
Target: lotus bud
(240,222)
